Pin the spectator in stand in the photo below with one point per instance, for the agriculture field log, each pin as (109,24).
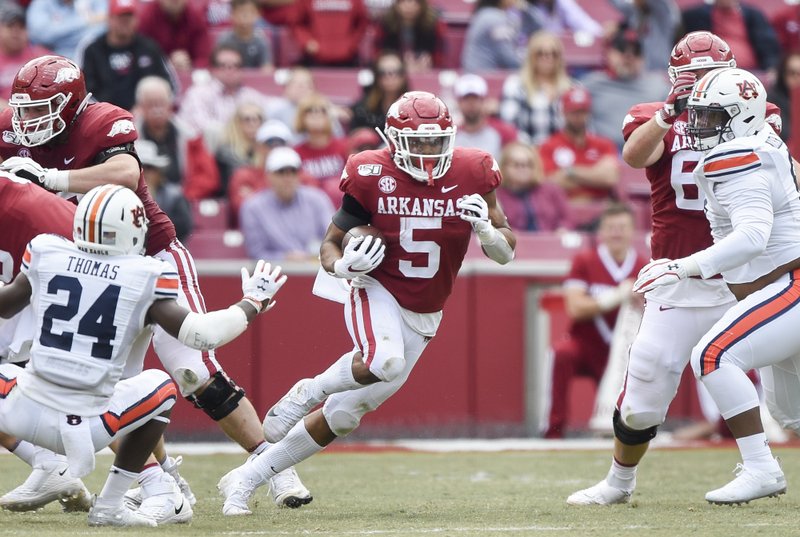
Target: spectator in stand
(530,97)
(15,48)
(64,26)
(786,23)
(477,128)
(363,139)
(168,196)
(413,29)
(743,26)
(599,281)
(116,61)
(530,203)
(492,36)
(330,33)
(238,146)
(585,165)
(191,165)
(559,16)
(287,220)
(210,102)
(245,35)
(657,22)
(389,82)
(181,30)
(247,180)
(787,81)
(623,84)
(323,154)
(278,12)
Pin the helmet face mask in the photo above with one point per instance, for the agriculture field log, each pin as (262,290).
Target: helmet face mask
(699,51)
(421,135)
(725,104)
(47,94)
(110,220)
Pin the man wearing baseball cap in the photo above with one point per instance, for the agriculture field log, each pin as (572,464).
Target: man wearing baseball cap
(116,61)
(15,48)
(584,164)
(477,128)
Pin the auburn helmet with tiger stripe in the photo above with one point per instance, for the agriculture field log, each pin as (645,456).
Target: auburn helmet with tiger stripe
(110,220)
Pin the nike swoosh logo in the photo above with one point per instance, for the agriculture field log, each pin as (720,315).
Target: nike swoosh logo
(179,509)
(665,308)
(446,189)
(64,471)
(351,269)
(67,161)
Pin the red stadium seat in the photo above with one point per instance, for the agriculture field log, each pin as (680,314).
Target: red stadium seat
(216,244)
(584,214)
(455,11)
(633,184)
(210,214)
(580,56)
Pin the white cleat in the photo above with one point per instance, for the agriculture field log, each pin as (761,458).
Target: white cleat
(749,485)
(288,491)
(118,516)
(43,487)
(288,411)
(237,491)
(600,494)
(169,508)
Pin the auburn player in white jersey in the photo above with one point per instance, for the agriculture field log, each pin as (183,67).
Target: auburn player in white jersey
(753,206)
(93,300)
(674,318)
(427,198)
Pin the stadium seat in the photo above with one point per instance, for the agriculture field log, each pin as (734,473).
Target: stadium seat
(544,245)
(217,244)
(589,55)
(632,184)
(454,42)
(287,51)
(210,214)
(455,11)
(584,214)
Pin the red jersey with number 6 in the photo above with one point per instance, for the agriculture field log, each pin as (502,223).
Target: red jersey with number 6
(27,211)
(426,240)
(100,127)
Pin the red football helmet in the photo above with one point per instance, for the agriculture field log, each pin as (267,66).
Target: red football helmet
(421,135)
(46,96)
(699,50)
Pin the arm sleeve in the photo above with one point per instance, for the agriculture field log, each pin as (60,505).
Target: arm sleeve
(748,201)
(204,331)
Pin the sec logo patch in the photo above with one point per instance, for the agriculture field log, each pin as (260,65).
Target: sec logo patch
(387,184)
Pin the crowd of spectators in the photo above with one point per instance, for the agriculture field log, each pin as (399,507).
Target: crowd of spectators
(194,75)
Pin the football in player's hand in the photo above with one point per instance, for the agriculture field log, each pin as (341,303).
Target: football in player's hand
(359,231)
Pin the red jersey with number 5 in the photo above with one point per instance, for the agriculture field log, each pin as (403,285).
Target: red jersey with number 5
(27,211)
(100,127)
(426,240)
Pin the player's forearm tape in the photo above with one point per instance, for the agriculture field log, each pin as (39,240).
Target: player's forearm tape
(495,245)
(204,331)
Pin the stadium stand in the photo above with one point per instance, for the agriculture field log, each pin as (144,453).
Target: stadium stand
(217,244)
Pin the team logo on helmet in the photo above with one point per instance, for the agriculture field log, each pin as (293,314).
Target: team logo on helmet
(387,184)
(747,90)
(67,74)
(138,216)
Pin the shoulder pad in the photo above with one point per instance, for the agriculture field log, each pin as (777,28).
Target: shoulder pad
(730,160)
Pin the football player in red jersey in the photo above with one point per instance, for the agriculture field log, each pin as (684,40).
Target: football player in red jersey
(53,134)
(675,318)
(426,197)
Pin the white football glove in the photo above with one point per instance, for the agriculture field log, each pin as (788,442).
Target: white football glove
(262,285)
(27,168)
(357,261)
(475,211)
(663,272)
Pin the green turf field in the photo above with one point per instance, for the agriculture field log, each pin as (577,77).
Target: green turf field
(460,495)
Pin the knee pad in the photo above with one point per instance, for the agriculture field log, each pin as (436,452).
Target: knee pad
(632,437)
(391,369)
(343,422)
(219,398)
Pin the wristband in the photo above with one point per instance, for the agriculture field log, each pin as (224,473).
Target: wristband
(660,120)
(56,179)
(257,304)
(608,300)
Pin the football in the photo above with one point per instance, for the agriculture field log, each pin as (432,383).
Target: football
(359,231)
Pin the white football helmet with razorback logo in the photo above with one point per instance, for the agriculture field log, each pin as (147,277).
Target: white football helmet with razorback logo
(421,135)
(110,220)
(47,95)
(725,104)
